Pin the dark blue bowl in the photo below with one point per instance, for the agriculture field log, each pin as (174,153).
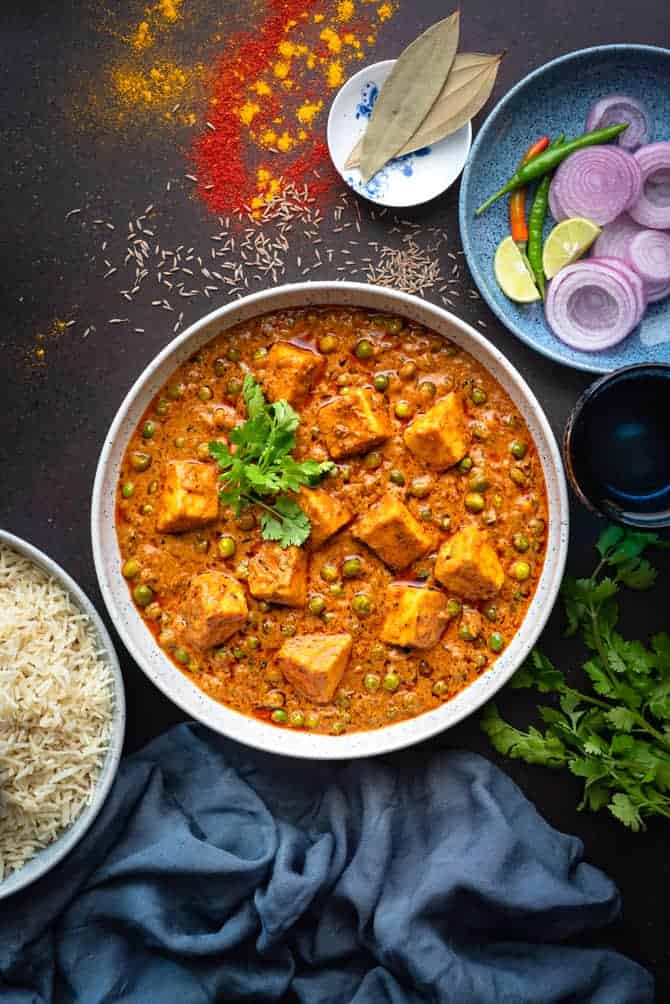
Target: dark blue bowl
(554,99)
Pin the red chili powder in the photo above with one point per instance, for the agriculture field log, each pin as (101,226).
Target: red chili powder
(226,174)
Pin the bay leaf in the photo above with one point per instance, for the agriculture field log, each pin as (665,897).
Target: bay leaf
(409,92)
(468,87)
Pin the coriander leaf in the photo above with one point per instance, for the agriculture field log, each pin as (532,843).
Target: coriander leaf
(599,678)
(623,809)
(220,452)
(658,700)
(286,523)
(531,746)
(596,795)
(637,574)
(253,397)
(660,643)
(584,767)
(539,672)
(608,539)
(632,545)
(622,744)
(594,746)
(621,718)
(605,589)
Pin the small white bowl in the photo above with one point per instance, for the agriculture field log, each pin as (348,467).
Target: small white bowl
(405,181)
(142,644)
(49,856)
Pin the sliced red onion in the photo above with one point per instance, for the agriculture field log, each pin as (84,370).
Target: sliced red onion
(590,306)
(656,293)
(621,108)
(614,239)
(599,182)
(621,268)
(652,208)
(555,207)
(649,255)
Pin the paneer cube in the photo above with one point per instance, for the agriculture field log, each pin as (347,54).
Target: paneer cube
(190,496)
(326,514)
(392,532)
(215,608)
(279,575)
(415,616)
(439,438)
(354,422)
(291,372)
(468,566)
(315,663)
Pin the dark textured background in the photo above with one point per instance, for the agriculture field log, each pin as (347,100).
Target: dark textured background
(52,420)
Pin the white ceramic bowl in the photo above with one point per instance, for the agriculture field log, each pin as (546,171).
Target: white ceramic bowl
(47,858)
(136,635)
(404,181)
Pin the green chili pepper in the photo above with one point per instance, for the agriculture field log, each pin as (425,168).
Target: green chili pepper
(536,218)
(550,159)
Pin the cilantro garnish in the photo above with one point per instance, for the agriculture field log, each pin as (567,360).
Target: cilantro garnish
(615,735)
(262,471)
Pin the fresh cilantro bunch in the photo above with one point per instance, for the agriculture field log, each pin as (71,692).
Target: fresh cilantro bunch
(616,736)
(262,471)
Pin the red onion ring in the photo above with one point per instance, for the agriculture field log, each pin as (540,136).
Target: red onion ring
(591,307)
(614,239)
(599,182)
(652,208)
(656,293)
(555,207)
(649,254)
(621,108)
(637,285)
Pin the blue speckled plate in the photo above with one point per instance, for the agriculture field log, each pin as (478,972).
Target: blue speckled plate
(551,100)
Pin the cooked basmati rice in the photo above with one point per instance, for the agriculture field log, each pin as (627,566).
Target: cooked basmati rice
(55,710)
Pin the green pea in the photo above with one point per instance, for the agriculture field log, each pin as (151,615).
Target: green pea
(352,567)
(466,633)
(445,522)
(253,642)
(478,396)
(407,371)
(362,604)
(176,390)
(474,502)
(371,682)
(181,655)
(162,406)
(316,605)
(380,382)
(201,545)
(226,547)
(492,612)
(234,354)
(260,353)
(454,608)
(537,526)
(427,389)
(247,521)
(202,451)
(128,490)
(130,568)
(394,325)
(143,595)
(329,572)
(296,719)
(336,589)
(233,387)
(518,449)
(220,367)
(288,630)
(140,461)
(496,642)
(426,513)
(327,344)
(410,701)
(519,477)
(391,682)
(520,542)
(372,460)
(263,606)
(397,477)
(180,442)
(440,688)
(154,612)
(238,653)
(465,465)
(205,393)
(274,699)
(478,482)
(403,409)
(279,716)
(521,571)
(422,574)
(420,487)
(146,509)
(338,727)
(364,349)
(311,719)
(343,380)
(148,430)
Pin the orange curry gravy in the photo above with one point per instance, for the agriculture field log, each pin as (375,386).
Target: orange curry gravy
(497,487)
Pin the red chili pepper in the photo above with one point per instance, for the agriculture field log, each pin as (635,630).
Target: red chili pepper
(517,200)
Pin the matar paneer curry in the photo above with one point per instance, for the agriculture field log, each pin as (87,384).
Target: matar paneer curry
(428,533)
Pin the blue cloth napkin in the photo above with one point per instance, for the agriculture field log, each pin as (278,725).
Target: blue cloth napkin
(215,873)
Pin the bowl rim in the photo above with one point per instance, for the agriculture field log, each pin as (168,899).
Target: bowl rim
(146,652)
(421,200)
(586,365)
(44,860)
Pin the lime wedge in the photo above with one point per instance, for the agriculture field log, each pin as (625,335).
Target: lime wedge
(567,242)
(513,273)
